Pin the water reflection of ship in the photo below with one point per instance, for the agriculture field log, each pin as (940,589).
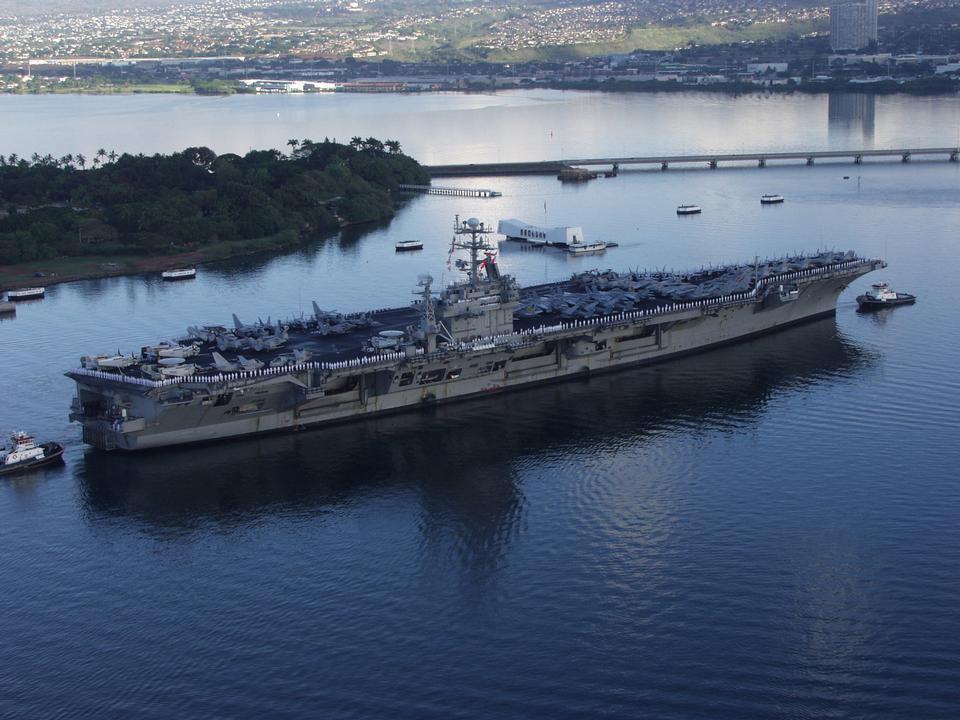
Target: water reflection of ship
(465,488)
(852,116)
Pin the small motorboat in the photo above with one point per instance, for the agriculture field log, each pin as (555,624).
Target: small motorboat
(581,248)
(179,274)
(25,454)
(403,245)
(881,296)
(771,199)
(689,210)
(26,293)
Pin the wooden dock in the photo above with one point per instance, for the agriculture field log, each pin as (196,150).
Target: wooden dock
(451,191)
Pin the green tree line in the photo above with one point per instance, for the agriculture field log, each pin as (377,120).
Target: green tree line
(165,204)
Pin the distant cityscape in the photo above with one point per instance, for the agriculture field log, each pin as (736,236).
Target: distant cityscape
(227,46)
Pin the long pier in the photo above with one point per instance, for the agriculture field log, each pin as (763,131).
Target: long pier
(452,191)
(711,160)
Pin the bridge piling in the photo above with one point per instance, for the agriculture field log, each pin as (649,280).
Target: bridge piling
(712,160)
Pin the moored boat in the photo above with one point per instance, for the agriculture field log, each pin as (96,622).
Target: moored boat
(881,296)
(179,274)
(581,248)
(575,174)
(24,454)
(689,210)
(26,293)
(771,199)
(404,245)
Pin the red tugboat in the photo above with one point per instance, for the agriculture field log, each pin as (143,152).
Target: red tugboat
(880,296)
(24,454)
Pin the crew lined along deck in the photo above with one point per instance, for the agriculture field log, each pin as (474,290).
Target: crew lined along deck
(527,334)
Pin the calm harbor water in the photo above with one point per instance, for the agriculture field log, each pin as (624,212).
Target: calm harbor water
(454,127)
(764,530)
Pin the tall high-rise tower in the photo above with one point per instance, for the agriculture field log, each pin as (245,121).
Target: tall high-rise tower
(853,24)
(872,21)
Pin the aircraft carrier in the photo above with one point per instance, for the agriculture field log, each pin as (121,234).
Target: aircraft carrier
(483,334)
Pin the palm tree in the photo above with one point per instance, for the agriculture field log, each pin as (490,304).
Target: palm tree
(35,158)
(81,161)
(101,154)
(293,143)
(393,146)
(356,142)
(112,155)
(371,143)
(13,157)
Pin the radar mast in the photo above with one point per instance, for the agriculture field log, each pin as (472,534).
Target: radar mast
(469,235)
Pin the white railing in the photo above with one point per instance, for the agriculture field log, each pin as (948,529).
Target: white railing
(364,361)
(485,343)
(524,336)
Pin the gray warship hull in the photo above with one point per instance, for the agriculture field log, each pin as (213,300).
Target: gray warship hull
(130,412)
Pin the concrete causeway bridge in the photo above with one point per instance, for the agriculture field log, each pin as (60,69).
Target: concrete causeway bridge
(711,160)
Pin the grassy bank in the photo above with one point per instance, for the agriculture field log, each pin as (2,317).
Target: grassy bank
(105,86)
(660,38)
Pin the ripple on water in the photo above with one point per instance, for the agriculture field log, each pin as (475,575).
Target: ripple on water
(763,530)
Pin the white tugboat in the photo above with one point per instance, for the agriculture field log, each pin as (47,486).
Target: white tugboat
(880,296)
(25,454)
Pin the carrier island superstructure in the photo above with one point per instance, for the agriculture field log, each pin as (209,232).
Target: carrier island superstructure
(482,334)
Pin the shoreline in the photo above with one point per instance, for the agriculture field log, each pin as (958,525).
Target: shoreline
(14,277)
(43,244)
(58,271)
(921,87)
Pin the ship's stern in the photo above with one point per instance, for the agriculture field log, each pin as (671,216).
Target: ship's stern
(107,414)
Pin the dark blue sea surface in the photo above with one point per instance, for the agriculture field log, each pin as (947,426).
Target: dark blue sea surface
(768,529)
